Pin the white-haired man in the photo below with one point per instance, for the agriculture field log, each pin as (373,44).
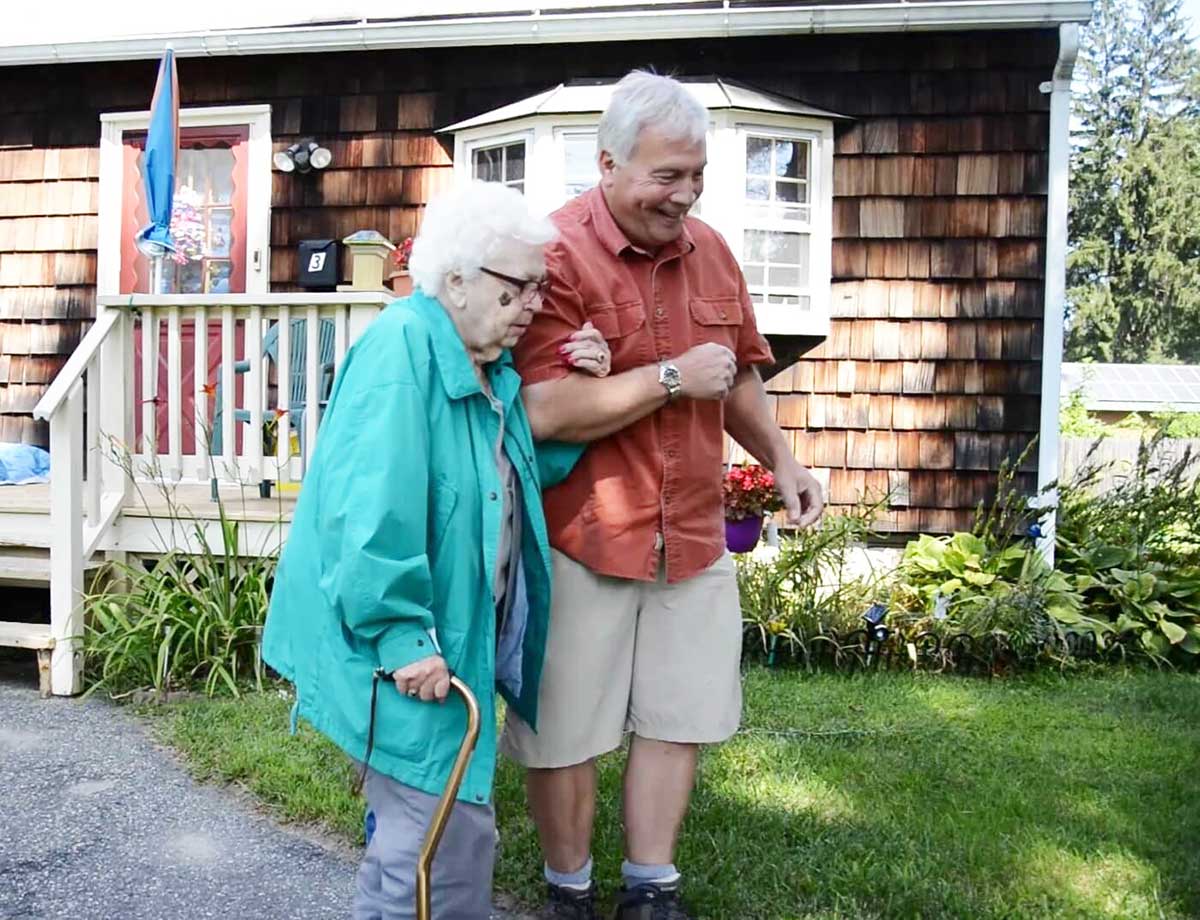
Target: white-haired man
(645,631)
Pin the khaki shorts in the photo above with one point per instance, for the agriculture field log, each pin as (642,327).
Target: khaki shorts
(662,661)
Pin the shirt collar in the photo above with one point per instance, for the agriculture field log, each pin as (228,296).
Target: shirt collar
(613,238)
(454,365)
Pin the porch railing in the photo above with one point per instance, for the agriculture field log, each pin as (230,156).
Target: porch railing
(118,395)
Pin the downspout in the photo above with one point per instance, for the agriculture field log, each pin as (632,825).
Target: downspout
(1059,89)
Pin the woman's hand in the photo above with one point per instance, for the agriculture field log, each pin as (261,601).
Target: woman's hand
(427,679)
(586,350)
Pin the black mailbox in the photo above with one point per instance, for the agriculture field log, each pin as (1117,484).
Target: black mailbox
(318,264)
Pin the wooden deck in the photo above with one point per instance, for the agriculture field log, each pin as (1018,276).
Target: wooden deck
(190,500)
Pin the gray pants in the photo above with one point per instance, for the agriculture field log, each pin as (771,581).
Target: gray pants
(462,870)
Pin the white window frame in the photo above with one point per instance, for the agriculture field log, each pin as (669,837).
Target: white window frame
(722,205)
(114,125)
(497,140)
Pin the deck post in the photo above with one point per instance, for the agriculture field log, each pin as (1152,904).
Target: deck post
(66,544)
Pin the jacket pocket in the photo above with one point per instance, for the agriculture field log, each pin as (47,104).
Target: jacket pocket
(617,320)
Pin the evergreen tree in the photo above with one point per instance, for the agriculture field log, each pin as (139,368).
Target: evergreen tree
(1133,277)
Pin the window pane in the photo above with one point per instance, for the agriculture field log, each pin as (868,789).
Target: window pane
(220,234)
(778,260)
(218,277)
(791,159)
(487,165)
(785,247)
(758,189)
(788,191)
(785,276)
(514,167)
(803,304)
(758,156)
(754,246)
(189,277)
(579,163)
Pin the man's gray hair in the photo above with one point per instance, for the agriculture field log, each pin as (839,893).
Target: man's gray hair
(462,229)
(644,100)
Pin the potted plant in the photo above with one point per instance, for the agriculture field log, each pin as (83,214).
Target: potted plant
(400,280)
(750,495)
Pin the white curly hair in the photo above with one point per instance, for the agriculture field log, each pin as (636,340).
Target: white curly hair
(464,226)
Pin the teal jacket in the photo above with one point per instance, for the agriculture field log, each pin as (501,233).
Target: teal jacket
(392,549)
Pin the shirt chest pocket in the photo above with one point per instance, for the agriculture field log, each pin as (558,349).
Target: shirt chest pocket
(715,319)
(619,323)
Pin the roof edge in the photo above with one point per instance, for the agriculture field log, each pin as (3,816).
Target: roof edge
(703,20)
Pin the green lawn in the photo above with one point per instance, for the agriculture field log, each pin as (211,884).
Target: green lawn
(871,796)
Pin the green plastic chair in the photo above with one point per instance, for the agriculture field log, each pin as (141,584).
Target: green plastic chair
(297,383)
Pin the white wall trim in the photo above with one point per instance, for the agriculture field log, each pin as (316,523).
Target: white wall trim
(532,26)
(113,126)
(1059,89)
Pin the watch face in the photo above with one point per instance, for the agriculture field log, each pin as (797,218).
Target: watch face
(669,376)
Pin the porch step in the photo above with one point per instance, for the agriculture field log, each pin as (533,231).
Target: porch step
(25,635)
(30,567)
(35,636)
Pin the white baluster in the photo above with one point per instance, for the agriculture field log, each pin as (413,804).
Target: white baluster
(200,420)
(228,428)
(253,447)
(283,393)
(174,465)
(149,445)
(312,364)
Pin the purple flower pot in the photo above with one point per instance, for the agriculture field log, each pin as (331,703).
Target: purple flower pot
(742,536)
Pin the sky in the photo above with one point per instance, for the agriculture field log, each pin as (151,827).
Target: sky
(1191,9)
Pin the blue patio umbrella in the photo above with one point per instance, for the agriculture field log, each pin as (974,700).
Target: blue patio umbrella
(161,153)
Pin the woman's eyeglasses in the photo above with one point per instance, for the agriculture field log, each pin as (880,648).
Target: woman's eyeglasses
(528,287)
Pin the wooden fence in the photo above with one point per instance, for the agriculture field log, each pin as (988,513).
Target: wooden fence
(1121,454)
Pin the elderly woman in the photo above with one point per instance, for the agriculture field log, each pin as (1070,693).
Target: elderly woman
(418,546)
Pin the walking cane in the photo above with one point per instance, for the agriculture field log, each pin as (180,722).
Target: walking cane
(441,814)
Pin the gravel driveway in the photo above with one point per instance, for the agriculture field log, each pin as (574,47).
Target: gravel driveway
(97,822)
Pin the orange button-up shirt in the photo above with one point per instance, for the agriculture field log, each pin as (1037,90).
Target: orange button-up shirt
(662,474)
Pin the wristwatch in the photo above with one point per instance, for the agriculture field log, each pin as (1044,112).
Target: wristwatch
(670,378)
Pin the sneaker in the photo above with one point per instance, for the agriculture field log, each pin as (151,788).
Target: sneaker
(650,902)
(569,903)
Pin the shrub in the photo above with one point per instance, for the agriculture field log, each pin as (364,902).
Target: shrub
(1133,553)
(179,621)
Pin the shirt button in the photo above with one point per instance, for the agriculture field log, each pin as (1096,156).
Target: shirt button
(478,798)
(492,496)
(660,313)
(722,314)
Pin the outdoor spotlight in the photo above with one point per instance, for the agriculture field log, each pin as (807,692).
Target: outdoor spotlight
(874,618)
(303,156)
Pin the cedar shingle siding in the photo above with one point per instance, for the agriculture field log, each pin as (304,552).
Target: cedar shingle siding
(931,374)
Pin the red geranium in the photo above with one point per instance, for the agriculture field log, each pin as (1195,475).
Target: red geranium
(750,492)
(401,254)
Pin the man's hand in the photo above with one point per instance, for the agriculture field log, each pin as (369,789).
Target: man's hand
(427,679)
(800,491)
(707,371)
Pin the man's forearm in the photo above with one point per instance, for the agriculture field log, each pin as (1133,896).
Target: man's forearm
(579,408)
(748,420)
